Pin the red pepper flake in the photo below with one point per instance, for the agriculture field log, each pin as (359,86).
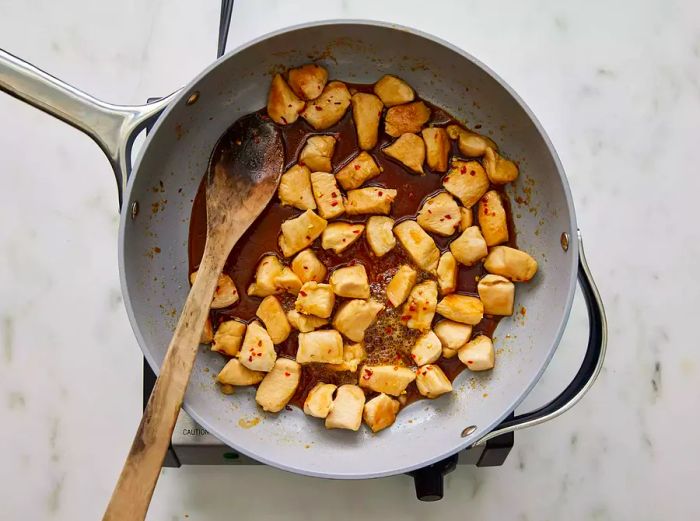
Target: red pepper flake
(357,167)
(287,373)
(367,375)
(388,330)
(334,203)
(463,170)
(250,358)
(441,220)
(334,195)
(411,307)
(356,231)
(429,210)
(429,368)
(303,293)
(259,343)
(448,216)
(405,317)
(318,108)
(380,193)
(344,239)
(308,237)
(470,361)
(486,211)
(259,354)
(472,173)
(413,356)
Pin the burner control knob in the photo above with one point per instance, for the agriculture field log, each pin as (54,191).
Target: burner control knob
(429,481)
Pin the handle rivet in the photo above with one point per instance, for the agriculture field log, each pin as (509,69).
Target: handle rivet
(192,99)
(134,209)
(564,240)
(469,430)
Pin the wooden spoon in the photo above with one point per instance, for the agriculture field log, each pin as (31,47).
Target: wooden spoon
(243,174)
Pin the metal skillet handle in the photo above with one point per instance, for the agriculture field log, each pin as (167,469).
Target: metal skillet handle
(590,367)
(112,127)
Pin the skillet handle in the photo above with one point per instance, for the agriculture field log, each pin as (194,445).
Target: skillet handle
(590,367)
(112,127)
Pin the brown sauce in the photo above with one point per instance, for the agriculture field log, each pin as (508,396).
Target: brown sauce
(387,341)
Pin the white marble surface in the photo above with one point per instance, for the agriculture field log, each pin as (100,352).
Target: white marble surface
(616,85)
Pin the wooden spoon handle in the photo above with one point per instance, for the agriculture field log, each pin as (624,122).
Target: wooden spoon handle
(133,491)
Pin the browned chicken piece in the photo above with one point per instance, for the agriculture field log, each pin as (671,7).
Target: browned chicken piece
(499,169)
(283,106)
(380,412)
(393,91)
(366,111)
(409,149)
(514,264)
(329,108)
(467,181)
(466,219)
(470,143)
(317,154)
(362,168)
(437,148)
(295,188)
(497,294)
(329,198)
(439,214)
(308,81)
(408,118)
(492,219)
(370,200)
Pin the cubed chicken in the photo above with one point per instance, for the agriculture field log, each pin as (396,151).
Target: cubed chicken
(318,401)
(419,245)
(257,351)
(272,315)
(389,379)
(353,354)
(266,274)
(380,412)
(371,200)
(380,234)
(235,373)
(283,106)
(288,281)
(470,143)
(513,264)
(317,153)
(497,294)
(207,336)
(304,323)
(308,267)
(401,285)
(437,148)
(393,91)
(225,294)
(350,282)
(407,118)
(447,273)
(295,188)
(470,247)
(432,382)
(499,169)
(229,337)
(354,317)
(419,309)
(467,181)
(478,354)
(466,219)
(427,349)
(298,233)
(461,308)
(279,385)
(339,236)
(346,409)
(492,219)
(308,81)
(329,108)
(366,111)
(409,150)
(315,299)
(452,335)
(360,169)
(328,197)
(324,346)
(439,214)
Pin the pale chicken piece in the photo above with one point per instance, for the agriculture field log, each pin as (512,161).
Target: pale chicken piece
(207,336)
(350,282)
(427,349)
(353,355)
(257,351)
(324,346)
(229,337)
(492,219)
(272,315)
(380,234)
(437,148)
(318,401)
(419,245)
(225,293)
(478,354)
(360,169)
(432,382)
(470,247)
(354,317)
(328,197)
(288,281)
(419,309)
(401,285)
(298,233)
(295,188)
(409,150)
(407,118)
(283,106)
(513,264)
(308,81)
(467,181)
(499,169)
(304,323)
(469,142)
(466,218)
(266,274)
(317,153)
(366,111)
(497,294)
(447,271)
(315,299)
(308,267)
(389,379)
(235,373)
(338,236)
(371,200)
(393,91)
(279,385)
(380,412)
(452,335)
(439,214)
(329,108)
(346,409)
(461,308)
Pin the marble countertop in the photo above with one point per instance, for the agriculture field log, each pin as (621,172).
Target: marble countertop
(617,87)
